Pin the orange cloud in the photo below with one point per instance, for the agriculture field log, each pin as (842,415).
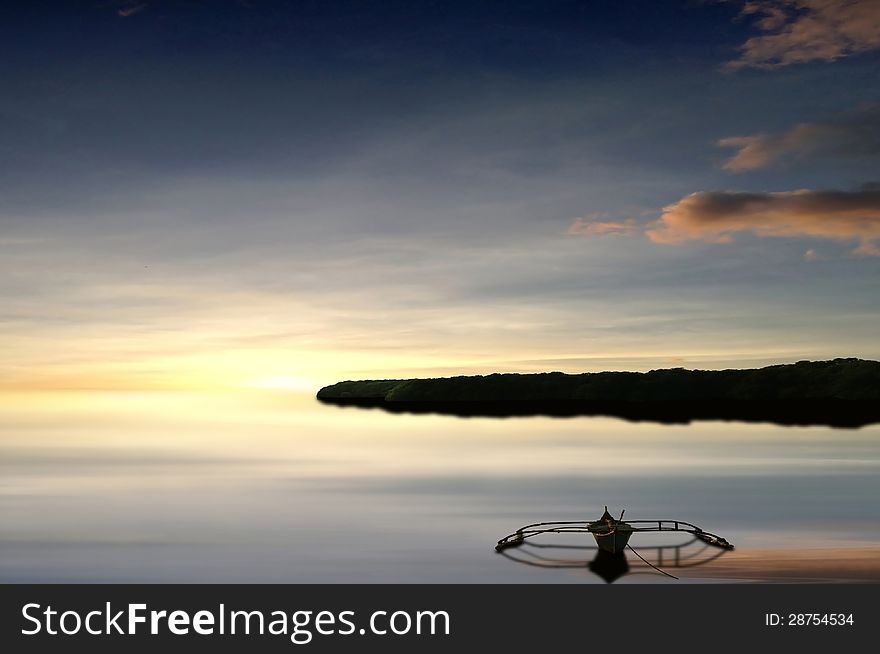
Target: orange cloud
(798,31)
(591,224)
(716,216)
(855,133)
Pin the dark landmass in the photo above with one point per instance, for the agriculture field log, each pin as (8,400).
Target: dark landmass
(837,393)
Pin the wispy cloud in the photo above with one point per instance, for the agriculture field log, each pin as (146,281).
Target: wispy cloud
(851,134)
(716,216)
(599,224)
(868,249)
(799,31)
(131,9)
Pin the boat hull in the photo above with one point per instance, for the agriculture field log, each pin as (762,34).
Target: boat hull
(614,542)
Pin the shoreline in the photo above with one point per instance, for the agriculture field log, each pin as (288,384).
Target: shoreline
(836,393)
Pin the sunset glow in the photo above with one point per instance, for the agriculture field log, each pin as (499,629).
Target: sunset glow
(265,264)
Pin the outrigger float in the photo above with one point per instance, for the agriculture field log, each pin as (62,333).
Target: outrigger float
(612,535)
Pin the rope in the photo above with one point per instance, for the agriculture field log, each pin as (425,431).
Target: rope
(650,564)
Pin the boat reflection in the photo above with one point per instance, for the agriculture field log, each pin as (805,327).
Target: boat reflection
(653,559)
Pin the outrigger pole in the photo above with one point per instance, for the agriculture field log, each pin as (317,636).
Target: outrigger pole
(605,528)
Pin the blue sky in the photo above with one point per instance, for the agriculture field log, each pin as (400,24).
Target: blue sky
(268,193)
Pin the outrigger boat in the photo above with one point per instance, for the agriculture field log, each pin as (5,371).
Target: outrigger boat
(612,535)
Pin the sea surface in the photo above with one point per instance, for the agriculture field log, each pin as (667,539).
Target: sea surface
(272,486)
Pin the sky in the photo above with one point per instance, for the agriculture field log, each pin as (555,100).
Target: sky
(256,194)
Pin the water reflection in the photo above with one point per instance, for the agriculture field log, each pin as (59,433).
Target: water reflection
(651,559)
(268,487)
(829,413)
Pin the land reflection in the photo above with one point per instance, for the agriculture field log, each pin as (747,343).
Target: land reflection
(827,413)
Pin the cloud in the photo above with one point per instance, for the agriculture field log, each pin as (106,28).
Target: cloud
(798,31)
(868,249)
(850,134)
(715,217)
(594,224)
(131,9)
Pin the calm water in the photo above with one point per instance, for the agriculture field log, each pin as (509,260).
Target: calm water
(272,487)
